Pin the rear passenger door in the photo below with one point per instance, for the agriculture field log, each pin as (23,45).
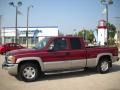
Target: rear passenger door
(77,53)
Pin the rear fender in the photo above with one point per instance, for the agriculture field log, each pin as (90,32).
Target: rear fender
(102,55)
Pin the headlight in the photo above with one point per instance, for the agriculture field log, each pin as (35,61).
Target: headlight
(11,59)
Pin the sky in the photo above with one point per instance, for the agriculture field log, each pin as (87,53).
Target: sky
(66,14)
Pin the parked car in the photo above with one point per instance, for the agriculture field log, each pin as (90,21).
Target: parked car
(58,54)
(9,46)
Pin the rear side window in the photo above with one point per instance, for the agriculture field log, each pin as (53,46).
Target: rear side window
(75,43)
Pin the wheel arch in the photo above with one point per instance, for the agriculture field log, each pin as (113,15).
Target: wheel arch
(36,60)
(105,55)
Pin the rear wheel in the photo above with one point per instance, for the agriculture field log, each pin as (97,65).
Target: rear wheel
(103,65)
(29,72)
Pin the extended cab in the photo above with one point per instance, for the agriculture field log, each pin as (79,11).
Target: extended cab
(57,54)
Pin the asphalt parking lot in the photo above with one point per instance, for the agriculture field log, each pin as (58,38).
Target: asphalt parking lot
(85,80)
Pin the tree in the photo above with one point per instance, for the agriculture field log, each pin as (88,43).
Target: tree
(111,33)
(111,30)
(87,35)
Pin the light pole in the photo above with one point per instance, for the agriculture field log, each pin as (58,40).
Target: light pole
(74,32)
(0,28)
(107,3)
(16,6)
(117,19)
(28,9)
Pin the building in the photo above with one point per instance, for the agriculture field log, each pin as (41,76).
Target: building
(102,32)
(35,34)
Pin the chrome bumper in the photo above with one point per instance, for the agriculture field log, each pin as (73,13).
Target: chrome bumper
(11,68)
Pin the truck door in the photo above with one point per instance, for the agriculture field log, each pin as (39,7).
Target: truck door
(57,57)
(77,53)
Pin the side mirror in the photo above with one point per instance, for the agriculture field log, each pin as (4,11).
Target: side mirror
(51,48)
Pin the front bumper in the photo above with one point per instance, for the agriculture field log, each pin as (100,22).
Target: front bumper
(11,68)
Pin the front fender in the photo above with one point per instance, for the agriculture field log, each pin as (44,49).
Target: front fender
(38,59)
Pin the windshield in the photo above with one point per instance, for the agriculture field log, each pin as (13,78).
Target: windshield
(42,43)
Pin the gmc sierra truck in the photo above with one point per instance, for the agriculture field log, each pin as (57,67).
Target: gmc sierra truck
(58,54)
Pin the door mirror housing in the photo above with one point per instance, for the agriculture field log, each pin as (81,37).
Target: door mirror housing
(51,47)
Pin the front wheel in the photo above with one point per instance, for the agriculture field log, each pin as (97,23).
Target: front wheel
(29,72)
(103,65)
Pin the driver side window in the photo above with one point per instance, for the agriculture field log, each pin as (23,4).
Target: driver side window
(58,44)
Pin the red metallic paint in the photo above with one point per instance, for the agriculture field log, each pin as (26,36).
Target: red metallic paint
(64,55)
(9,46)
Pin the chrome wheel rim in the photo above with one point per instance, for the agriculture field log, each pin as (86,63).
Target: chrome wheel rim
(29,72)
(104,66)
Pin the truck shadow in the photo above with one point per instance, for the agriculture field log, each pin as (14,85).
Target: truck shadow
(88,72)
(115,68)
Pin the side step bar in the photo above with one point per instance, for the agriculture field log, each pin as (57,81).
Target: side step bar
(62,72)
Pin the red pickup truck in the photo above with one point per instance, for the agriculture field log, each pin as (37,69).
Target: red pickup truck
(58,54)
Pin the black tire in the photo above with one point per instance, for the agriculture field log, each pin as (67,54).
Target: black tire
(29,72)
(103,65)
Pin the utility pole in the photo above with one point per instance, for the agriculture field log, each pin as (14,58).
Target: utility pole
(28,9)
(16,7)
(16,34)
(107,3)
(118,28)
(0,29)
